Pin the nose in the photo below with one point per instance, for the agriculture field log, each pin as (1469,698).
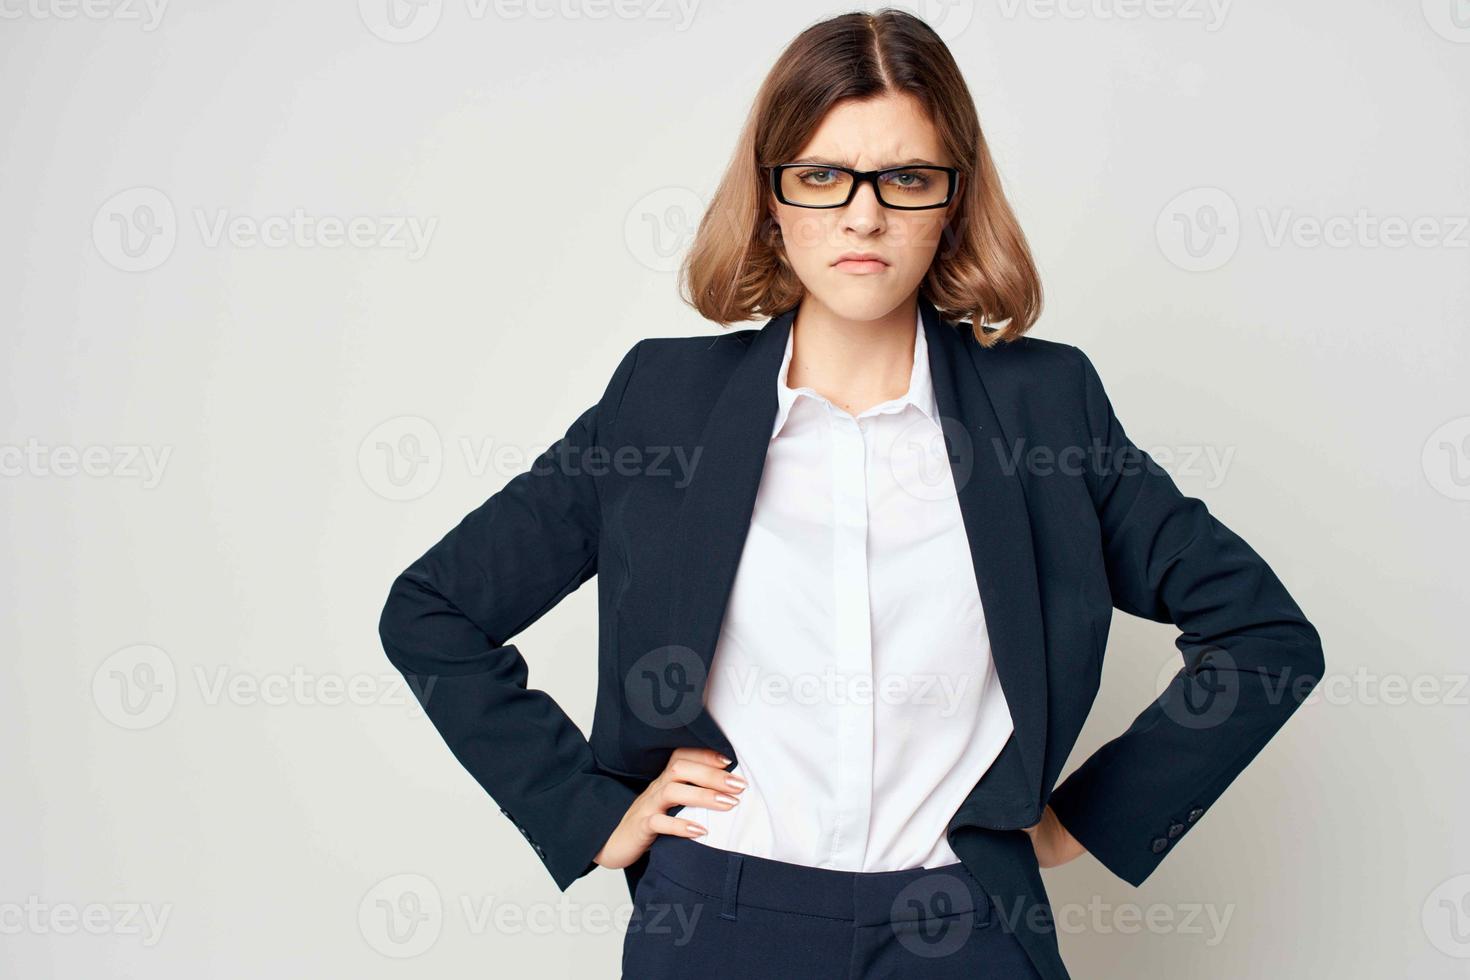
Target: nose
(864,213)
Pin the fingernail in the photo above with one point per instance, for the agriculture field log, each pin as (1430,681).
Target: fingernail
(697,830)
(735,781)
(724,761)
(726,799)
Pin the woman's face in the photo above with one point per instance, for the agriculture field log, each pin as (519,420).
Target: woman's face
(887,131)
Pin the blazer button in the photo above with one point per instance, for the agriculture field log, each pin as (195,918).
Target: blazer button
(1195,814)
(540,851)
(1159,844)
(1175,829)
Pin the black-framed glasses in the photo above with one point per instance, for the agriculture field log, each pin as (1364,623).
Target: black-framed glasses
(822,185)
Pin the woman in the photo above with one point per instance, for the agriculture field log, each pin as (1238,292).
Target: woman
(856,572)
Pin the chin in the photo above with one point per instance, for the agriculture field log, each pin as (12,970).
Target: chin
(861,298)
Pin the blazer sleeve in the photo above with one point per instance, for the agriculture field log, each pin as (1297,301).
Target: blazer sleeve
(447,626)
(1250,656)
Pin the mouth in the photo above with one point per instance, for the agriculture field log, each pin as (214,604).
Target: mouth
(861,263)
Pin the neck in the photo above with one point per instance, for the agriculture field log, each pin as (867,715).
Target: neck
(855,364)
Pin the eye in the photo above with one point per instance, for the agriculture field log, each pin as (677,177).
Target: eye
(818,177)
(907,180)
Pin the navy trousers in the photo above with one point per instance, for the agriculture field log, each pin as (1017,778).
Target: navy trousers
(701,911)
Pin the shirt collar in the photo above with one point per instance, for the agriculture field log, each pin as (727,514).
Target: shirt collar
(920,392)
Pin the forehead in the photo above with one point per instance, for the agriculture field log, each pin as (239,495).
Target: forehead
(875,132)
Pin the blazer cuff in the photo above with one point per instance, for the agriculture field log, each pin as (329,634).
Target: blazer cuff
(567,826)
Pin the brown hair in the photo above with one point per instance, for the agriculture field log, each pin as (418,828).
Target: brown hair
(737,268)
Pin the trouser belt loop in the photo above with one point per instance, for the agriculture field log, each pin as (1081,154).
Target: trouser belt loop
(732,886)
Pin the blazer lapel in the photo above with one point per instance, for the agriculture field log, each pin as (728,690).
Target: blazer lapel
(715,515)
(993,507)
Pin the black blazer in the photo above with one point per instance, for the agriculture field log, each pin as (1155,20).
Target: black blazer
(652,488)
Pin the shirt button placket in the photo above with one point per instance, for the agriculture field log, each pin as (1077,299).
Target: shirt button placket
(853,638)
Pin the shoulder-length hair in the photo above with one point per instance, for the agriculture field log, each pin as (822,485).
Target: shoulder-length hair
(736,268)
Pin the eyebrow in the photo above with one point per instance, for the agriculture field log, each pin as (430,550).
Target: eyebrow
(823,162)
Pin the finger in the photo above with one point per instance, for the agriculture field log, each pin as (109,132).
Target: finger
(699,754)
(662,823)
(686,794)
(700,773)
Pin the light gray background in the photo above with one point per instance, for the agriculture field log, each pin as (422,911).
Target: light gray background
(199,722)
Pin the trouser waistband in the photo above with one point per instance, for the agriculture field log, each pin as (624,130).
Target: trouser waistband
(860,897)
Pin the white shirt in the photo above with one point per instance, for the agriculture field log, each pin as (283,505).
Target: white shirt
(853,673)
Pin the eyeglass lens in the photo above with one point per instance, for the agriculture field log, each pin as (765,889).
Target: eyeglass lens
(910,187)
